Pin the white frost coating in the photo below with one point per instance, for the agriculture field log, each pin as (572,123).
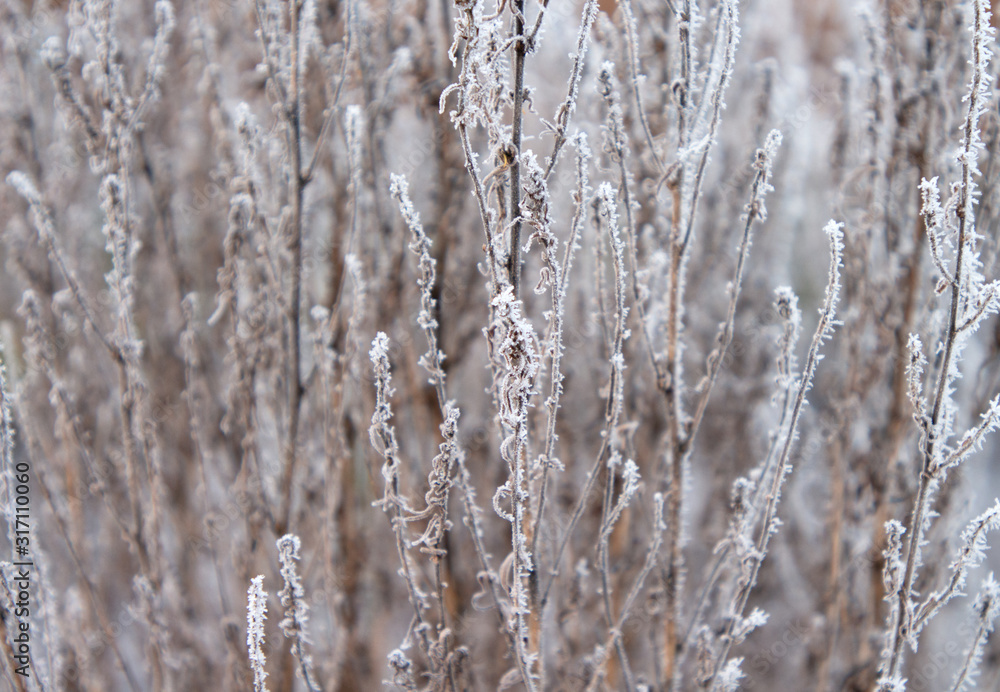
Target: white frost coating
(24,186)
(730,675)
(295,625)
(985,610)
(310,41)
(256,614)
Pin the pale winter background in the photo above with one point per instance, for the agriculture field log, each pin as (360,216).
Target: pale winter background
(477,344)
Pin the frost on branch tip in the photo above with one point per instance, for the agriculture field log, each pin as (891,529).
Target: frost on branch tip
(291,596)
(535,210)
(24,186)
(894,683)
(939,225)
(835,231)
(764,164)
(985,610)
(381,431)
(421,246)
(974,545)
(256,615)
(915,365)
(972,440)
(296,621)
(787,305)
(730,675)
(402,670)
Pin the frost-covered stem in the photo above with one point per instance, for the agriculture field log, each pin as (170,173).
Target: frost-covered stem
(612,415)
(654,549)
(383,438)
(578,509)
(470,156)
(473,513)
(770,523)
(969,665)
(295,623)
(568,106)
(670,384)
(520,49)
(616,140)
(155,68)
(440,479)
(973,439)
(632,41)
(986,609)
(929,470)
(683,87)
(555,344)
(934,220)
(607,212)
(970,555)
(787,306)
(610,513)
(292,112)
(607,525)
(732,40)
(115,203)
(684,213)
(515,341)
(54,56)
(256,614)
(755,210)
(270,60)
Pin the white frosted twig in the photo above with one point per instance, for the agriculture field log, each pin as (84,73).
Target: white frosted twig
(970,555)
(568,106)
(481,71)
(256,615)
(448,467)
(770,523)
(746,494)
(420,245)
(632,42)
(555,348)
(914,379)
(383,439)
(934,464)
(516,342)
(616,142)
(617,630)
(402,670)
(331,108)
(755,210)
(611,512)
(973,439)
(935,221)
(607,214)
(985,609)
(730,10)
(295,625)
